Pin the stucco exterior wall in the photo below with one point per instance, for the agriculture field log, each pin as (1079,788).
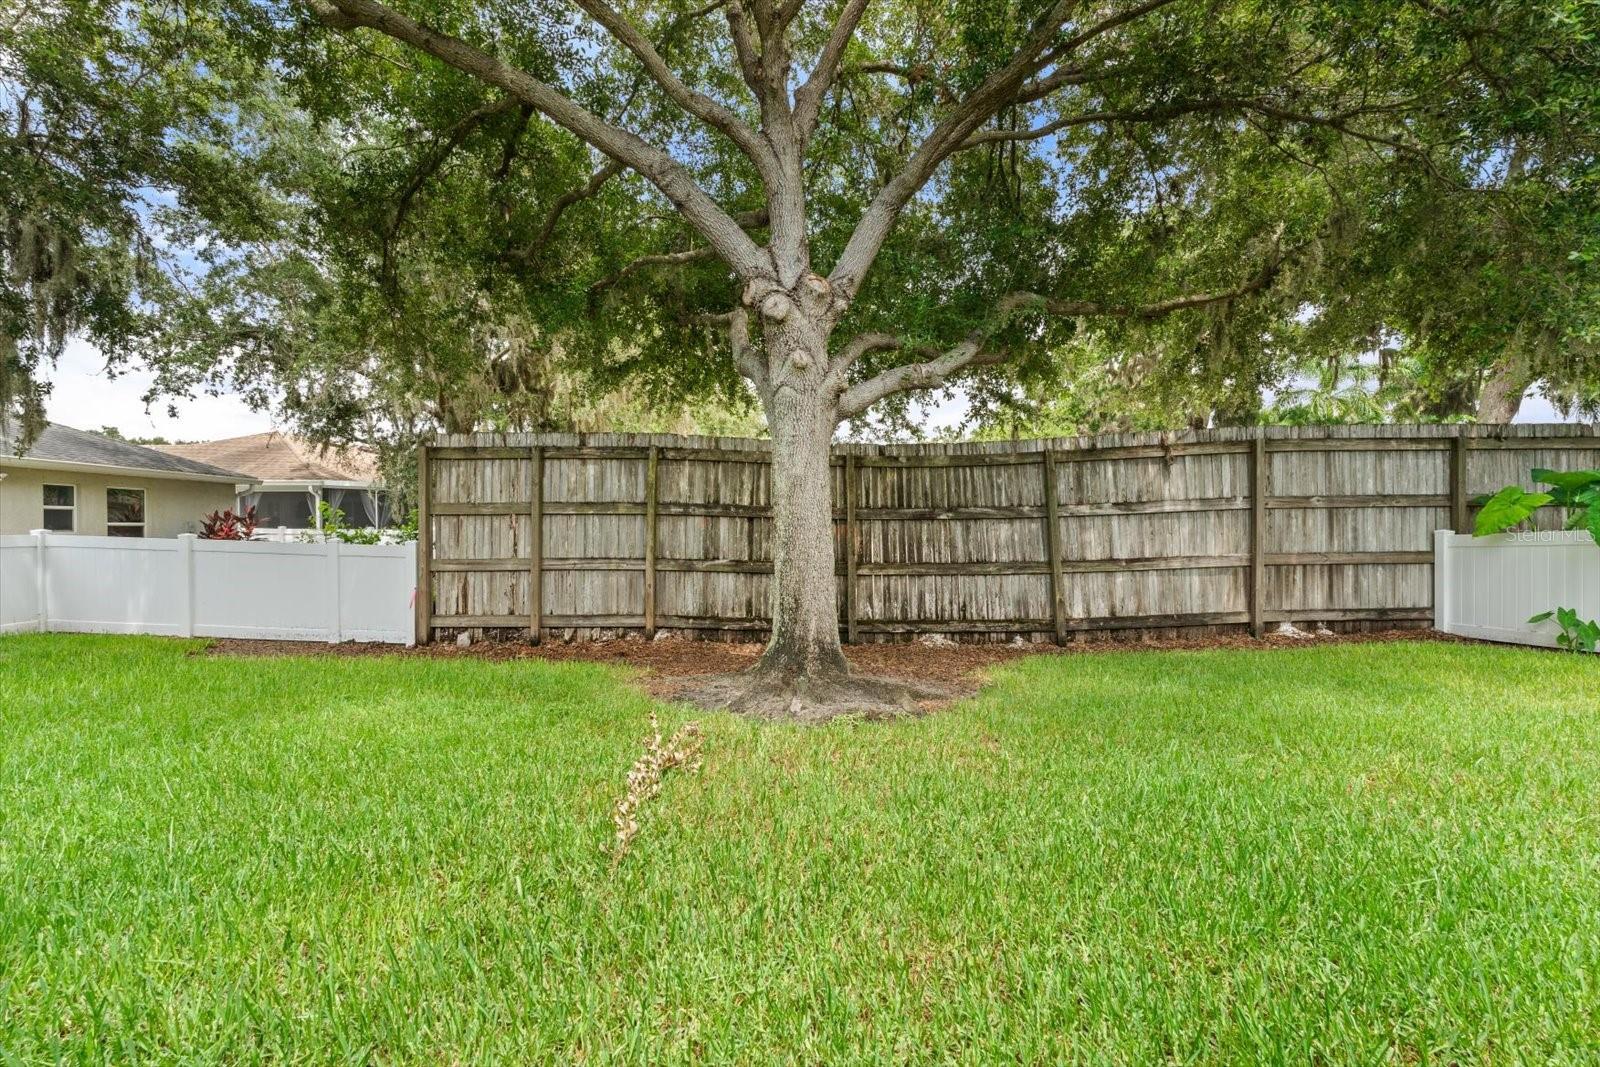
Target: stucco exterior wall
(172,505)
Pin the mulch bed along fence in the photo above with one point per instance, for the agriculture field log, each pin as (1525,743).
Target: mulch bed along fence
(670,664)
(1193,533)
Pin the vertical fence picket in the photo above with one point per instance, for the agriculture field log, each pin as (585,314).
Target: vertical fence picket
(423,597)
(651,503)
(536,545)
(852,547)
(1052,545)
(1260,486)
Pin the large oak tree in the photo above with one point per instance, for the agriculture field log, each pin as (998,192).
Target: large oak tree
(833,161)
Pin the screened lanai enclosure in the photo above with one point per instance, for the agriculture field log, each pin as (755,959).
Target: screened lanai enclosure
(296,507)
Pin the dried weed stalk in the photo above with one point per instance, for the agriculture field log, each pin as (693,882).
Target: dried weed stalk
(644,780)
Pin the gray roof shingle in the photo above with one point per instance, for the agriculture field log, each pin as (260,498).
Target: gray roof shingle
(66,445)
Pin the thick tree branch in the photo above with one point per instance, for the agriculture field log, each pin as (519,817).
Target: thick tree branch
(1060,78)
(659,259)
(666,173)
(744,47)
(808,98)
(589,189)
(995,91)
(973,351)
(969,353)
(746,360)
(767,75)
(852,352)
(430,165)
(695,103)
(748,219)
(863,343)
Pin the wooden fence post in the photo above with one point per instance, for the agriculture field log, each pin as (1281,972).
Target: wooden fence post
(1458,481)
(1260,485)
(851,547)
(423,598)
(1052,544)
(536,546)
(651,492)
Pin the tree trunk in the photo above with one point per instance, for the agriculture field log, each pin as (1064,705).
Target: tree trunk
(802,676)
(1503,388)
(801,416)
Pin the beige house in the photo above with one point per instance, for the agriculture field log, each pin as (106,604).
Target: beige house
(290,478)
(75,482)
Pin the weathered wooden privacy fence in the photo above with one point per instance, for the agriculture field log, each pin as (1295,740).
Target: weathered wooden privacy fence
(1128,532)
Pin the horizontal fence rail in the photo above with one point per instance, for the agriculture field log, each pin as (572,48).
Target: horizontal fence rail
(186,587)
(1234,529)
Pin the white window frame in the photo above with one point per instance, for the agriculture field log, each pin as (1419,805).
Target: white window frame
(144,496)
(47,508)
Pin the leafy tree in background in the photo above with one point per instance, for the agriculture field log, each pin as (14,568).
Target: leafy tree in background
(327,257)
(102,115)
(1437,288)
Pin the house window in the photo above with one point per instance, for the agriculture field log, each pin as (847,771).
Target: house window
(61,508)
(125,512)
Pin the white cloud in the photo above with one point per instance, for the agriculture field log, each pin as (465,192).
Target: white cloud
(85,396)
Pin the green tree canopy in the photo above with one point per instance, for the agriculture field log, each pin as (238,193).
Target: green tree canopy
(828,206)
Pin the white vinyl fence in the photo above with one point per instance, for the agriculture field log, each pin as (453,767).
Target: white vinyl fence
(186,587)
(1488,587)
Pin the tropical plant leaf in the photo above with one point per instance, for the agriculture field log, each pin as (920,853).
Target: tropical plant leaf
(1505,509)
(1588,636)
(1577,635)
(1568,484)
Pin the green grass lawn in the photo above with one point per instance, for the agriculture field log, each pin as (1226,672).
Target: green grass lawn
(1345,854)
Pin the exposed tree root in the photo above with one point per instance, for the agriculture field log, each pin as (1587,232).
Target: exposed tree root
(812,698)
